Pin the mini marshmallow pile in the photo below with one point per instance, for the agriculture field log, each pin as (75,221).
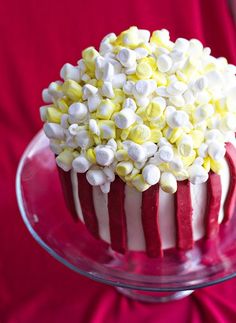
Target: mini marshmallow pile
(144,108)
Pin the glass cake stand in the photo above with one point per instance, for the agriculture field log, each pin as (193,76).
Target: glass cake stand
(174,276)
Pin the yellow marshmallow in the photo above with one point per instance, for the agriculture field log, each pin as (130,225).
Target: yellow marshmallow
(160,78)
(144,70)
(134,172)
(156,135)
(122,154)
(53,115)
(90,154)
(140,133)
(125,133)
(105,109)
(159,123)
(187,161)
(154,110)
(63,105)
(124,168)
(139,183)
(118,98)
(164,167)
(216,166)
(72,90)
(89,54)
(64,159)
(197,137)
(175,135)
(207,164)
(168,183)
(97,140)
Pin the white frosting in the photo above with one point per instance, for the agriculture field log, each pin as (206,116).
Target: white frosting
(133,203)
(75,188)
(166,218)
(100,206)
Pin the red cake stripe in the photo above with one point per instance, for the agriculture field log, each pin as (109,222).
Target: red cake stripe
(150,203)
(117,218)
(214,192)
(184,215)
(229,205)
(67,190)
(87,206)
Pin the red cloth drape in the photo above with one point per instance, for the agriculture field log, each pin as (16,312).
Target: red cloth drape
(36,39)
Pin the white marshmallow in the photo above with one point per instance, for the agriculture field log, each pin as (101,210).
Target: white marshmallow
(47,98)
(70,72)
(107,90)
(141,52)
(166,154)
(214,134)
(96,177)
(164,63)
(43,113)
(54,131)
(177,119)
(73,129)
(108,72)
(199,161)
(127,57)
(105,188)
(197,174)
(77,112)
(181,44)
(176,88)
(142,88)
(55,146)
(93,127)
(214,79)
(203,150)
(54,90)
(81,164)
(89,90)
(109,174)
(143,102)
(150,148)
(112,144)
(176,164)
(131,70)
(161,90)
(65,121)
(83,139)
(125,118)
(200,84)
(185,146)
(118,80)
(151,174)
(216,150)
(104,156)
(129,104)
(93,102)
(136,152)
(128,87)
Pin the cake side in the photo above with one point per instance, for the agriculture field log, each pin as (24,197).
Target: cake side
(165,214)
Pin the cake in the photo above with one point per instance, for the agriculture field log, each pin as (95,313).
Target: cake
(143,132)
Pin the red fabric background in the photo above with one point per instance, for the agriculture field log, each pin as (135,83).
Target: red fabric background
(37,37)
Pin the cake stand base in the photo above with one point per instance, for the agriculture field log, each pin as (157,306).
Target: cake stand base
(153,297)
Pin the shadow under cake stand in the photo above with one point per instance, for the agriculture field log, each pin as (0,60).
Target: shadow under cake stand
(174,276)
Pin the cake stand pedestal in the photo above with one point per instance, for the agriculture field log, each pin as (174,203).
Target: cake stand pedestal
(135,275)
